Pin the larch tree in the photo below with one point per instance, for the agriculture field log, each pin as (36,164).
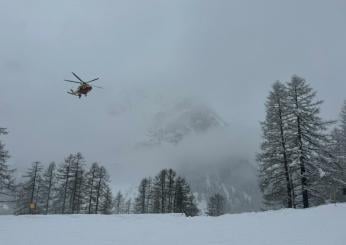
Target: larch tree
(275,157)
(216,205)
(77,183)
(6,174)
(184,201)
(140,201)
(128,206)
(160,189)
(64,176)
(30,194)
(102,181)
(107,201)
(313,164)
(91,176)
(342,152)
(119,203)
(143,200)
(48,186)
(339,149)
(171,175)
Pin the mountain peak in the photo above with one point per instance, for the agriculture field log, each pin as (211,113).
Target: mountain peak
(181,120)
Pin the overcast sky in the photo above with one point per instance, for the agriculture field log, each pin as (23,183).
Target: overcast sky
(150,54)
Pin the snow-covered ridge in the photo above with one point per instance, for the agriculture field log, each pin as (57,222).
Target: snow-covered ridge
(315,226)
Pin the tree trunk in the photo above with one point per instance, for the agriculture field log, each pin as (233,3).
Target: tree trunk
(287,175)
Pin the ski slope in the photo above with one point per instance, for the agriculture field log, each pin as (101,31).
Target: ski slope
(316,226)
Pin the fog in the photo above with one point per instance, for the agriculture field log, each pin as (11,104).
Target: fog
(150,56)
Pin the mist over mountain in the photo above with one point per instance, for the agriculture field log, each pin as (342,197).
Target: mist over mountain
(193,139)
(181,120)
(233,178)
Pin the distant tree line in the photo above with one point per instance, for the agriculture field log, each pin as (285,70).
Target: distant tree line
(69,188)
(302,162)
(74,188)
(165,193)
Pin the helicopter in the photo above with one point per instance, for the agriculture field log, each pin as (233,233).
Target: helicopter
(84,87)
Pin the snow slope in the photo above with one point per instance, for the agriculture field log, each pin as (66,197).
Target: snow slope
(316,226)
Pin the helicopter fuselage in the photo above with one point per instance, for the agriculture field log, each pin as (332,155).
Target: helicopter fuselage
(84,89)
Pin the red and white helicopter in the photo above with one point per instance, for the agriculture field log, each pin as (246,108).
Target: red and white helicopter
(84,88)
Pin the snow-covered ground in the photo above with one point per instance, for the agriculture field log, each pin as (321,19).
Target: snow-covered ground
(316,226)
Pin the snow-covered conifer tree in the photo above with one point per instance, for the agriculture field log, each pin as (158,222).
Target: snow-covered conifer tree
(339,150)
(171,175)
(48,187)
(119,203)
(216,205)
(107,201)
(143,200)
(313,165)
(64,176)
(102,181)
(184,201)
(275,173)
(30,197)
(6,174)
(128,206)
(91,176)
(77,183)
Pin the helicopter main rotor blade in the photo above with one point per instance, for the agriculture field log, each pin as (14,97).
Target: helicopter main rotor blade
(74,74)
(97,87)
(72,81)
(93,80)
